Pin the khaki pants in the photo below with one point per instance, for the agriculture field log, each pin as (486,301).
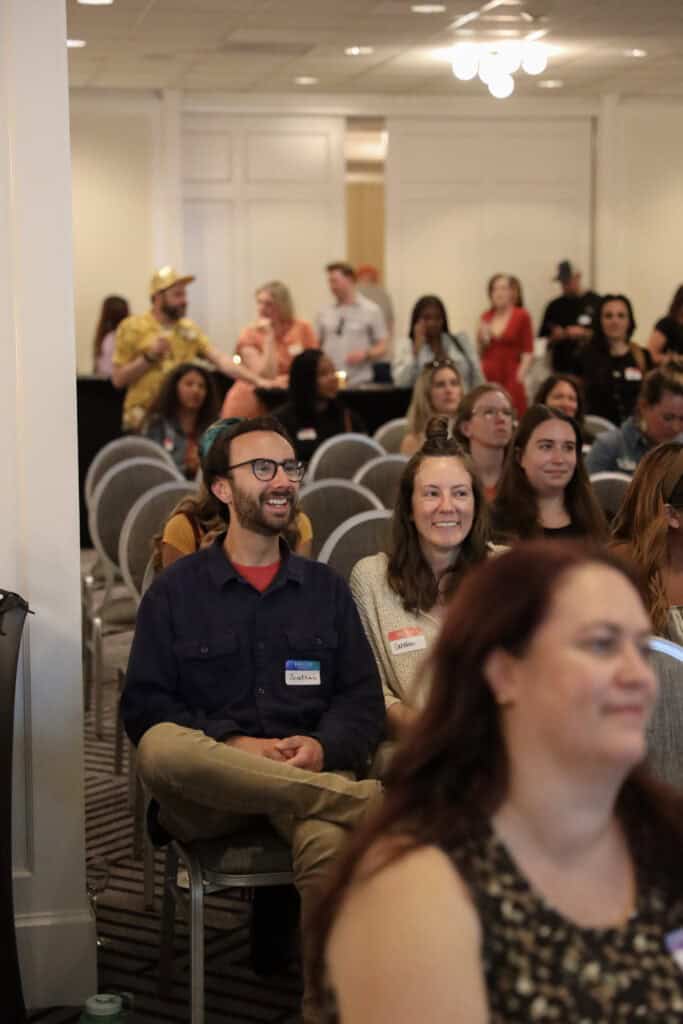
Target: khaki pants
(207,789)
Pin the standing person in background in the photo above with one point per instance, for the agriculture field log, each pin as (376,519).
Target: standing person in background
(267,347)
(568,320)
(314,412)
(369,285)
(148,346)
(351,330)
(611,365)
(483,425)
(114,310)
(544,489)
(180,413)
(438,392)
(517,291)
(430,338)
(666,339)
(506,340)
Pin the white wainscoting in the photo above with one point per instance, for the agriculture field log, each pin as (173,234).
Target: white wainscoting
(468,198)
(263,198)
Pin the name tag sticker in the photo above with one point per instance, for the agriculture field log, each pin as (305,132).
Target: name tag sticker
(409,639)
(632,373)
(674,943)
(307,434)
(302,673)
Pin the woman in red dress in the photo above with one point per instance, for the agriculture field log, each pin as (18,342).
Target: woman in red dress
(506,340)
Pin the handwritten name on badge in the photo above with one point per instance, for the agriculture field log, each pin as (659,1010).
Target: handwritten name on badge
(409,639)
(302,673)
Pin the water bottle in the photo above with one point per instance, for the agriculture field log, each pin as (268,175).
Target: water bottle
(107,1008)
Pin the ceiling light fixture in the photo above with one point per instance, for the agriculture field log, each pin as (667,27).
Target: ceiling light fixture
(635,53)
(428,8)
(75,44)
(502,86)
(358,51)
(306,80)
(496,63)
(550,83)
(96,3)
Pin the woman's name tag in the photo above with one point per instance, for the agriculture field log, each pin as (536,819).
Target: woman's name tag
(411,638)
(302,673)
(307,434)
(632,373)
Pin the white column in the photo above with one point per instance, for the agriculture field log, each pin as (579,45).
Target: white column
(39,554)
(169,246)
(609,221)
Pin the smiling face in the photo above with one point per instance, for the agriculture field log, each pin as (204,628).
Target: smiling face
(615,320)
(549,457)
(260,507)
(191,390)
(445,391)
(172,302)
(583,690)
(490,424)
(443,504)
(563,397)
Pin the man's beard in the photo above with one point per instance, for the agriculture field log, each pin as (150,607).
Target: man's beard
(250,515)
(173,312)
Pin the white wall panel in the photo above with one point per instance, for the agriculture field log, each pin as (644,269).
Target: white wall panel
(210,252)
(302,157)
(207,156)
(468,198)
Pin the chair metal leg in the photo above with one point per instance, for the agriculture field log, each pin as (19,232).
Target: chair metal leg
(196,941)
(98,672)
(133,780)
(148,873)
(139,823)
(167,928)
(120,733)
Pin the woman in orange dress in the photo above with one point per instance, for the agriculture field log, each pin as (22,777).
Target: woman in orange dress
(268,345)
(506,340)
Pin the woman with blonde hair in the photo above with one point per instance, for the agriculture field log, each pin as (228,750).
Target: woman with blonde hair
(649,531)
(437,392)
(267,346)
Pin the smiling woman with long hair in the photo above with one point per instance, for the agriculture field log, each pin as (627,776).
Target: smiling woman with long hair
(523,865)
(544,489)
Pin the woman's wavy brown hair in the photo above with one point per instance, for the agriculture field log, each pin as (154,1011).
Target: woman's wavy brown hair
(408,572)
(450,774)
(640,529)
(421,408)
(515,511)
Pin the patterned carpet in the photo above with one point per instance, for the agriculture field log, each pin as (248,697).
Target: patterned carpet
(128,959)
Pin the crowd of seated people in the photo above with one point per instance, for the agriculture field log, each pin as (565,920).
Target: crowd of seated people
(497,580)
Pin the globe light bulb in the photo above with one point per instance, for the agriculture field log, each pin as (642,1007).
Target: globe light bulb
(490,67)
(502,86)
(465,61)
(510,54)
(534,58)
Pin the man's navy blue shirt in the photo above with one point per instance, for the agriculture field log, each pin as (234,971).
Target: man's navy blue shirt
(209,652)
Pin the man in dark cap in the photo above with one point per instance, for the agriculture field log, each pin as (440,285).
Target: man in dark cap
(568,319)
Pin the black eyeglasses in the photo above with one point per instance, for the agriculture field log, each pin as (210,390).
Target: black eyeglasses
(265,469)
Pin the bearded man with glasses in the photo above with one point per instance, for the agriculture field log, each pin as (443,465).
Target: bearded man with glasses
(251,688)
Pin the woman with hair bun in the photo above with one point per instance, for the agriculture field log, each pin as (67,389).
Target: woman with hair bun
(544,489)
(440,529)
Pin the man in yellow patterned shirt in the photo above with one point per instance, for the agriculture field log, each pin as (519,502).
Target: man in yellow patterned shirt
(149,346)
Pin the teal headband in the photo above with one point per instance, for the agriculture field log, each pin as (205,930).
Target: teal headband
(211,433)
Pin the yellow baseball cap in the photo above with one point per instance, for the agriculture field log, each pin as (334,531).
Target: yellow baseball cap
(165,277)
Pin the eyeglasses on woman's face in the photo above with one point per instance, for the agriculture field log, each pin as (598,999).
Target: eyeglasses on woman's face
(265,469)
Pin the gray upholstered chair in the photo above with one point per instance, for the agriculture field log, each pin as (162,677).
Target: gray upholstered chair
(145,518)
(362,535)
(391,433)
(382,476)
(609,488)
(342,456)
(123,448)
(247,859)
(594,425)
(665,732)
(327,503)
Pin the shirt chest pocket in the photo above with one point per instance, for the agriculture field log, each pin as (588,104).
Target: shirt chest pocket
(310,660)
(209,670)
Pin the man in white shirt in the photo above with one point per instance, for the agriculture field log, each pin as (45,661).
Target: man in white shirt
(352,330)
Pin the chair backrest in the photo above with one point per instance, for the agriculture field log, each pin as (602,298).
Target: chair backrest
(341,456)
(665,731)
(146,517)
(113,498)
(327,503)
(391,433)
(609,488)
(382,476)
(594,425)
(116,451)
(362,535)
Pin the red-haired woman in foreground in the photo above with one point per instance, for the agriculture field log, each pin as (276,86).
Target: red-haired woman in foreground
(524,865)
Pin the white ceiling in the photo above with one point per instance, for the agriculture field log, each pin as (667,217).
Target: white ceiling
(260,46)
